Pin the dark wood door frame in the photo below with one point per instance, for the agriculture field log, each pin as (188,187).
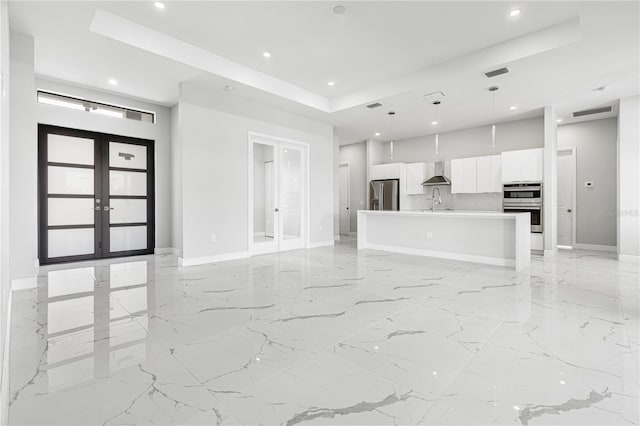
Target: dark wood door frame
(101,190)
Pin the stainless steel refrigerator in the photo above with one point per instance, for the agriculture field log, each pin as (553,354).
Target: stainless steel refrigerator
(384,194)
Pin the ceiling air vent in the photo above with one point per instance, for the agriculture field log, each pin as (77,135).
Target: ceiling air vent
(592,111)
(376,105)
(497,72)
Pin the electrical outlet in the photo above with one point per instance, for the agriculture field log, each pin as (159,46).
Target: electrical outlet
(214,238)
(429,234)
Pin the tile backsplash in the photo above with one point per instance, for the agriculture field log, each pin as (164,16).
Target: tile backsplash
(475,202)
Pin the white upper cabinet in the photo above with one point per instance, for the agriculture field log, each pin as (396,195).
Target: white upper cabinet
(483,173)
(522,166)
(532,165)
(470,175)
(416,174)
(457,176)
(387,171)
(496,173)
(463,176)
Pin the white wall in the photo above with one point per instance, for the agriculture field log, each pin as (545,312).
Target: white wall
(5,281)
(356,155)
(472,142)
(215,128)
(596,161)
(176,180)
(629,179)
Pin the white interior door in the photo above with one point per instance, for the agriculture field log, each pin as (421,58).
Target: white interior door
(344,201)
(291,202)
(566,188)
(278,191)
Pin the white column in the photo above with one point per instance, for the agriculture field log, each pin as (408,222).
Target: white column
(629,179)
(550,187)
(24,159)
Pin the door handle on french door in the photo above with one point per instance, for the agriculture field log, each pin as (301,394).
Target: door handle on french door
(97,208)
(106,208)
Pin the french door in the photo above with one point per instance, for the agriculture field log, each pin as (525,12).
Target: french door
(96,195)
(279,196)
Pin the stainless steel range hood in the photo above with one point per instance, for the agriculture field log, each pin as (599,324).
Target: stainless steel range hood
(438,178)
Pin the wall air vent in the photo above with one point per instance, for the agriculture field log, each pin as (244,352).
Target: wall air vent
(375,105)
(592,111)
(497,72)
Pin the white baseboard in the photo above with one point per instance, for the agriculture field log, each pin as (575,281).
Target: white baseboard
(597,247)
(192,261)
(320,244)
(550,253)
(166,250)
(4,366)
(24,283)
(628,258)
(497,261)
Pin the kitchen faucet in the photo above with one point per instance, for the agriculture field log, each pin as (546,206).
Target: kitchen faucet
(435,200)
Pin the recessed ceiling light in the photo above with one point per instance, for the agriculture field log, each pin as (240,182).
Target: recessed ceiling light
(113,81)
(559,120)
(228,87)
(159,5)
(513,107)
(515,12)
(266,54)
(331,83)
(377,133)
(339,10)
(433,123)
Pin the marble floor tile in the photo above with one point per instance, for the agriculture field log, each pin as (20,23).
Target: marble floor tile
(328,336)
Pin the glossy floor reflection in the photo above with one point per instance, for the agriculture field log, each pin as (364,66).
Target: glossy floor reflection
(330,336)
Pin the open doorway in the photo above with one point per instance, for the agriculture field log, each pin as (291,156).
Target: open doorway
(566,198)
(344,199)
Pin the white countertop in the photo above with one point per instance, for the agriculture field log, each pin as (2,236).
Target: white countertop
(445,213)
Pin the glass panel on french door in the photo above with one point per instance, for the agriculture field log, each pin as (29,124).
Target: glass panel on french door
(125,238)
(70,150)
(128,211)
(264,192)
(71,211)
(70,242)
(291,193)
(127,183)
(127,156)
(70,180)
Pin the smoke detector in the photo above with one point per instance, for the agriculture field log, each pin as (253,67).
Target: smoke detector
(434,96)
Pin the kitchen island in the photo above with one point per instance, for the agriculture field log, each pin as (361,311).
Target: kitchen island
(493,238)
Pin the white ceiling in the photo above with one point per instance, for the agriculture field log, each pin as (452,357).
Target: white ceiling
(390,52)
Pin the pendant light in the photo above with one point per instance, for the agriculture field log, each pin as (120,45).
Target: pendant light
(493,90)
(435,123)
(391,114)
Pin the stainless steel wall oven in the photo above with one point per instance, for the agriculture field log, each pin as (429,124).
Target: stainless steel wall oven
(524,198)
